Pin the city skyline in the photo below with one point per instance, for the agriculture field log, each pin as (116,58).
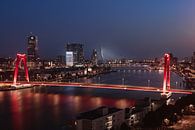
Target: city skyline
(97,64)
(128,29)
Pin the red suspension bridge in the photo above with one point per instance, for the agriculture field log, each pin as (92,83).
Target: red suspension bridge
(165,90)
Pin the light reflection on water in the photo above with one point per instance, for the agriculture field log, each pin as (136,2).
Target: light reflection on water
(48,108)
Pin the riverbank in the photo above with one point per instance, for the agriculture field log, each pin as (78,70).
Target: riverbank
(14,87)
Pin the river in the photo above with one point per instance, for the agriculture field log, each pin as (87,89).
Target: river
(47,108)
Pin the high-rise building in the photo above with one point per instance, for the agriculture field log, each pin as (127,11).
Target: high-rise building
(78,53)
(173,59)
(193,61)
(32,48)
(94,57)
(69,58)
(60,60)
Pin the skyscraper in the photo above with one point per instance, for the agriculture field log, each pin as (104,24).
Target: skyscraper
(69,58)
(32,48)
(193,61)
(77,50)
(94,57)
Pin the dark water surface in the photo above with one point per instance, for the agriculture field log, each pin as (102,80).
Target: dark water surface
(47,108)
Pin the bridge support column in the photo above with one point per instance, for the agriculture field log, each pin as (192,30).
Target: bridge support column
(20,58)
(166,78)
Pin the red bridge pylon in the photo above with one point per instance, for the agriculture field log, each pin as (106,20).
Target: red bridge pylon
(166,78)
(20,58)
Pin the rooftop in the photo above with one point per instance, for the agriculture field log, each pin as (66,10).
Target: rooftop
(97,113)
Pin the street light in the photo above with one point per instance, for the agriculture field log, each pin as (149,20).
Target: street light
(148,82)
(166,121)
(123,81)
(99,79)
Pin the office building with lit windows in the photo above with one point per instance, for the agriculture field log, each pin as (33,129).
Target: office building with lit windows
(69,58)
(94,57)
(32,49)
(193,61)
(78,52)
(102,118)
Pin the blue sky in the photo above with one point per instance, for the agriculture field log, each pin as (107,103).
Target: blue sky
(123,28)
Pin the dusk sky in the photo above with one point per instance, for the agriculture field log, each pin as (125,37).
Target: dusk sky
(123,28)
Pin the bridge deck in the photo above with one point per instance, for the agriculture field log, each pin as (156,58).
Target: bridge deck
(103,86)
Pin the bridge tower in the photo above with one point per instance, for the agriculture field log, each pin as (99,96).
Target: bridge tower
(166,78)
(20,58)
